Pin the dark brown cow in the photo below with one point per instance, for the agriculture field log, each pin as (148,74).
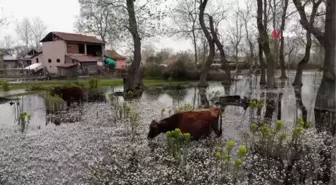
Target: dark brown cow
(70,94)
(198,124)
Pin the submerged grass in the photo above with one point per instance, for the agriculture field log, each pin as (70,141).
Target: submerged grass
(45,85)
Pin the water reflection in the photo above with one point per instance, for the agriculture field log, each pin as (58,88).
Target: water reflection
(281,101)
(299,103)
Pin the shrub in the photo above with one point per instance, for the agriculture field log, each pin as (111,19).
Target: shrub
(176,70)
(35,87)
(152,70)
(93,83)
(5,85)
(53,103)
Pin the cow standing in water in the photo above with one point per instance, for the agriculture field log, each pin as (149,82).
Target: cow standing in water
(70,94)
(198,124)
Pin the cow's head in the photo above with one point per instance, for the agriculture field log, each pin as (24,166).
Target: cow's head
(56,91)
(154,130)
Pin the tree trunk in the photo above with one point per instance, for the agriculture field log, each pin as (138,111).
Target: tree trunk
(262,65)
(305,60)
(282,42)
(133,71)
(195,45)
(325,103)
(265,47)
(206,67)
(225,63)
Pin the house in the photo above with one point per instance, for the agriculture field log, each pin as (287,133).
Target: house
(32,56)
(68,70)
(120,60)
(10,61)
(61,51)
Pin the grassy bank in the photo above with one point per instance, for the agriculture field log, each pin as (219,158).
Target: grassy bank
(42,85)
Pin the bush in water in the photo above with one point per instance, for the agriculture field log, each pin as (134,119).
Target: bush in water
(5,85)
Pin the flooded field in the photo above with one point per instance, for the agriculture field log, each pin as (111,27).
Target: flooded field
(97,149)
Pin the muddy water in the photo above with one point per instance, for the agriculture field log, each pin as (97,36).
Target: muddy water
(49,154)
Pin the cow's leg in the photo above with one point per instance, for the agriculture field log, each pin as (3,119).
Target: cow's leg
(215,128)
(68,104)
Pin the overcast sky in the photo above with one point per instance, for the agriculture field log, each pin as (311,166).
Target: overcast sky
(58,15)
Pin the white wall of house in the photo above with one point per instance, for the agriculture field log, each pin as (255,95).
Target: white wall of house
(38,59)
(53,54)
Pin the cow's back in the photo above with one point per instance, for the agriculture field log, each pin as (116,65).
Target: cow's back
(197,123)
(72,93)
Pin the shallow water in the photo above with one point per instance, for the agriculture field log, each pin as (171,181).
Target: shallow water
(49,154)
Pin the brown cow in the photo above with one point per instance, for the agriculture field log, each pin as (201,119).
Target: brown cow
(70,94)
(197,123)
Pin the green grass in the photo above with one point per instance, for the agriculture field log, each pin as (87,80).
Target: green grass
(43,85)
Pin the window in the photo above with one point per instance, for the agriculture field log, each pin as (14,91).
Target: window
(37,60)
(49,60)
(81,49)
(58,60)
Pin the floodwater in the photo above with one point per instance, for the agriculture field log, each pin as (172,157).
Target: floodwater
(49,154)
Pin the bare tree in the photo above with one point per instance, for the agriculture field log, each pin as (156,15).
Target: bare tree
(97,19)
(282,41)
(246,16)
(38,29)
(305,59)
(3,19)
(135,20)
(206,67)
(264,41)
(24,31)
(185,18)
(7,42)
(225,64)
(236,36)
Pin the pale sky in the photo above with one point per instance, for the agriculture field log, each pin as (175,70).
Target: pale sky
(58,15)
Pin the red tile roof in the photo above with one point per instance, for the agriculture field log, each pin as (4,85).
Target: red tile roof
(73,37)
(82,58)
(66,65)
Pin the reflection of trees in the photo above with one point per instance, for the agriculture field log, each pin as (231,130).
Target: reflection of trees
(282,85)
(299,103)
(270,106)
(203,98)
(177,94)
(154,93)
(226,89)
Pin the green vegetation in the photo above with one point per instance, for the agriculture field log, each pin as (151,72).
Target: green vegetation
(45,85)
(53,103)
(176,140)
(93,83)
(224,157)
(5,85)
(24,120)
(127,113)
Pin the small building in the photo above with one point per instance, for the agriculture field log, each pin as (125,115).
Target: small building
(69,48)
(120,60)
(68,70)
(86,64)
(32,56)
(10,62)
